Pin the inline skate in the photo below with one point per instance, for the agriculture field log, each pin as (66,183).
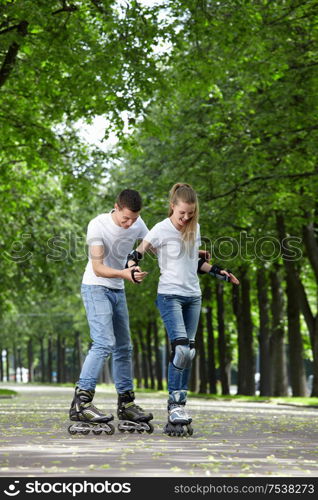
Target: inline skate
(132,417)
(179,422)
(86,416)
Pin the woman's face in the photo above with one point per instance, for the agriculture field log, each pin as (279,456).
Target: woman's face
(182,213)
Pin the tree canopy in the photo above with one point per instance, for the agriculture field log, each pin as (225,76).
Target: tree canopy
(222,95)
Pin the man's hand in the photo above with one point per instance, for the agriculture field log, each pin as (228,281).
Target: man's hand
(139,275)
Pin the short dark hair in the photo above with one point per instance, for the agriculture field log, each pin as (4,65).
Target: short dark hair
(131,199)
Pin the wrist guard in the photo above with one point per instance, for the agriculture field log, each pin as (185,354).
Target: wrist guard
(215,271)
(135,256)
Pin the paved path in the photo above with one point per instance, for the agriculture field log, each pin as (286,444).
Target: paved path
(230,439)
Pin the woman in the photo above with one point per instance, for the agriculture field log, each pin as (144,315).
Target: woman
(176,242)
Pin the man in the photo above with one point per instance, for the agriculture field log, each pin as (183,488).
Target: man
(111,237)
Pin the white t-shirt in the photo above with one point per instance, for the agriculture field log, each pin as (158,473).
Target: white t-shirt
(118,243)
(178,264)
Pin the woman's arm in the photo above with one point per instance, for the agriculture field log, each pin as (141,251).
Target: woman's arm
(144,247)
(205,267)
(136,255)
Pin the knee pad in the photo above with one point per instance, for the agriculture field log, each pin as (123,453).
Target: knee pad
(192,349)
(180,355)
(192,353)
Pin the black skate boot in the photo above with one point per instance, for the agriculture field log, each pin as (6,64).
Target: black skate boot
(132,417)
(88,417)
(178,419)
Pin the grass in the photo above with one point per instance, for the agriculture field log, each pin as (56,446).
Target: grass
(300,401)
(296,401)
(5,393)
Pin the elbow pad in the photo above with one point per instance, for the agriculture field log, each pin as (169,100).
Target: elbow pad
(201,261)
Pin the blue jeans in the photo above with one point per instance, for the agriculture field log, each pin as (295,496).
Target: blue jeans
(181,317)
(107,315)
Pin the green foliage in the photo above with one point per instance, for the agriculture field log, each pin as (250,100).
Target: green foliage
(222,95)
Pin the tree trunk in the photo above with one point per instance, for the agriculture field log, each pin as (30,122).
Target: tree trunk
(137,373)
(107,379)
(78,356)
(15,362)
(246,362)
(11,56)
(8,364)
(279,378)
(207,296)
(194,376)
(223,348)
(49,360)
(1,366)
(144,362)
(293,290)
(63,365)
(202,365)
(158,366)
(311,246)
(42,360)
(58,355)
(168,354)
(296,363)
(264,334)
(30,360)
(19,364)
(149,354)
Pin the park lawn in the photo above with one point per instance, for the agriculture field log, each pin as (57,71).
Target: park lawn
(7,393)
(296,401)
(299,401)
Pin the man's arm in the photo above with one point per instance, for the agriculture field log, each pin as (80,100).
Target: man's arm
(102,271)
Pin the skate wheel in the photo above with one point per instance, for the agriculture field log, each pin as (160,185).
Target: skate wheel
(179,432)
(97,431)
(120,429)
(151,428)
(168,430)
(190,430)
(131,431)
(84,432)
(140,431)
(111,430)
(71,431)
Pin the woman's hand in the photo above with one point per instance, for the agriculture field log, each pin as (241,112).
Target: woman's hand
(233,279)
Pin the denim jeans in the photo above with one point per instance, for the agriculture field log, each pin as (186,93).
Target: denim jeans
(180,316)
(107,315)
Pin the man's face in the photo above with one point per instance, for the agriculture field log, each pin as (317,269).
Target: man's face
(124,217)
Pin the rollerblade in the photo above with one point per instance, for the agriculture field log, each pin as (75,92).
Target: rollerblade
(87,416)
(178,420)
(132,417)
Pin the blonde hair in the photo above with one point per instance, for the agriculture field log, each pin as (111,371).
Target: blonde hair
(185,193)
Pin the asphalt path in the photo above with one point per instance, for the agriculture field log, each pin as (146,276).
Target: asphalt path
(230,439)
